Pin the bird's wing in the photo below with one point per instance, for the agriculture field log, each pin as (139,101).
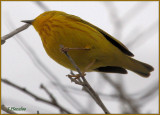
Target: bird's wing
(110,38)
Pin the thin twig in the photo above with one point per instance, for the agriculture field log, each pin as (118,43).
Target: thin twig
(149,93)
(5,109)
(133,12)
(122,93)
(37,112)
(34,96)
(16,31)
(86,85)
(142,37)
(113,96)
(53,99)
(42,6)
(113,12)
(47,91)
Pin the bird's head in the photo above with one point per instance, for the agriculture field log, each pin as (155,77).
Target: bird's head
(39,21)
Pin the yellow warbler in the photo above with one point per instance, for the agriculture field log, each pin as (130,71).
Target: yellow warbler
(108,54)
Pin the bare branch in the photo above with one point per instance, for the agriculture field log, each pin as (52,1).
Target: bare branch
(41,5)
(85,84)
(143,36)
(113,12)
(16,31)
(122,93)
(37,112)
(62,110)
(24,90)
(149,93)
(5,109)
(137,8)
(50,95)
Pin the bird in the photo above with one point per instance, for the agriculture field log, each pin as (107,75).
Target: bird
(90,47)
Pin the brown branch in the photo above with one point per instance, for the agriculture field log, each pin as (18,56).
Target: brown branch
(50,95)
(53,99)
(41,6)
(149,93)
(85,84)
(37,112)
(5,109)
(16,31)
(122,93)
(24,90)
(142,37)
(133,12)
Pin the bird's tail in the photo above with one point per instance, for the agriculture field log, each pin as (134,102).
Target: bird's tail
(139,68)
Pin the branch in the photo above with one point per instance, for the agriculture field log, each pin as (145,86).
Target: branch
(16,31)
(53,99)
(133,12)
(5,109)
(50,95)
(113,12)
(85,84)
(42,6)
(122,93)
(37,112)
(149,93)
(24,90)
(143,36)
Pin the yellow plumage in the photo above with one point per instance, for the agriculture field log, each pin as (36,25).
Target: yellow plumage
(58,28)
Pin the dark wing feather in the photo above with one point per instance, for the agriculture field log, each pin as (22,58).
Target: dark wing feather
(114,41)
(117,43)
(111,69)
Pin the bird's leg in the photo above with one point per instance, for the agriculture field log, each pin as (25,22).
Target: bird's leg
(77,76)
(66,49)
(89,66)
(76,80)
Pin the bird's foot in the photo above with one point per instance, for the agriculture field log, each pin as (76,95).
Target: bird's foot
(76,78)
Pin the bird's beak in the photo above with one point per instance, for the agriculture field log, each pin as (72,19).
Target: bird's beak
(27,21)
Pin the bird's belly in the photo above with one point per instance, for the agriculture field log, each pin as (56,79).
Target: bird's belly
(81,57)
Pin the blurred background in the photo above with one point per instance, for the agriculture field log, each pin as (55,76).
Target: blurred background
(25,63)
